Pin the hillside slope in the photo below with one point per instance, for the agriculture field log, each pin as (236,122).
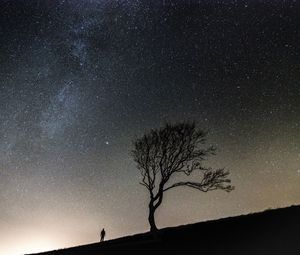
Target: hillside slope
(267,233)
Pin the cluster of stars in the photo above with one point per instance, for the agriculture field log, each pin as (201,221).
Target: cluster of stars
(79,80)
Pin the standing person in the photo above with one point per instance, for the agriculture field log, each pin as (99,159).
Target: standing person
(102,235)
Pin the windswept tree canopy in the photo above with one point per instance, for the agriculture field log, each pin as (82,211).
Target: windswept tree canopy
(174,150)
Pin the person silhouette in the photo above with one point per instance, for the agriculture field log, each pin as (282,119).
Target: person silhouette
(102,235)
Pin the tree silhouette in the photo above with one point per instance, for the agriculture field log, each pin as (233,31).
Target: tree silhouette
(170,151)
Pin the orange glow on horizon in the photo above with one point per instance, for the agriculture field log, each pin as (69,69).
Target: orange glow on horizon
(28,243)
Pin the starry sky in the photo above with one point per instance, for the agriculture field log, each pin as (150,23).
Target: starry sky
(80,79)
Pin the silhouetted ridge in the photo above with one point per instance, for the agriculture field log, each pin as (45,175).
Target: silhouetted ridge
(270,232)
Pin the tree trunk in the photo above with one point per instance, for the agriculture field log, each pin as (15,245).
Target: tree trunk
(151,217)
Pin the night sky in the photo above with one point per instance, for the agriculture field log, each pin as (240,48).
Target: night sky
(80,79)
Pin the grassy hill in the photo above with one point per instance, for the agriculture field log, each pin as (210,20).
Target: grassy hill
(270,232)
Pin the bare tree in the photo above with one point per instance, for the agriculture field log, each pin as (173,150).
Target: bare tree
(170,151)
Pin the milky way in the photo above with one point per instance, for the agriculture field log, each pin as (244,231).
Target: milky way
(79,80)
